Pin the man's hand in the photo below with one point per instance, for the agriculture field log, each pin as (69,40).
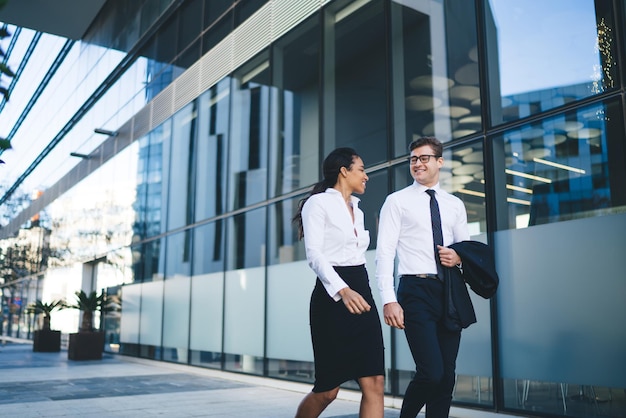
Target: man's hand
(394,315)
(448,256)
(354,301)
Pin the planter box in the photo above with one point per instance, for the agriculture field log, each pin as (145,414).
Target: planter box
(47,341)
(86,345)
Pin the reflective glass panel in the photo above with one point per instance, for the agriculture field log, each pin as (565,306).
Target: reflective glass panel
(246,239)
(176,319)
(569,54)
(153,260)
(178,255)
(561,168)
(249,133)
(295,115)
(210,149)
(355,70)
(180,207)
(434,71)
(284,244)
(208,248)
(153,172)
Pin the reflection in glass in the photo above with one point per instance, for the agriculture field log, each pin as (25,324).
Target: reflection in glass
(284,245)
(435,50)
(137,263)
(152,168)
(178,255)
(246,239)
(249,134)
(153,261)
(208,248)
(176,319)
(562,168)
(569,54)
(295,115)
(355,91)
(180,175)
(211,149)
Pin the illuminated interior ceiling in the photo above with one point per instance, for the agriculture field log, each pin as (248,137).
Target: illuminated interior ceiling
(66,18)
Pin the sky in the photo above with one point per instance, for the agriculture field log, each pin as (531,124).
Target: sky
(524,25)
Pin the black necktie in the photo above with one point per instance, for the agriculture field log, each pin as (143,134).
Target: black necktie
(435,220)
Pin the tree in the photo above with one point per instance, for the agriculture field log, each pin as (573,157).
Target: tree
(46,308)
(90,303)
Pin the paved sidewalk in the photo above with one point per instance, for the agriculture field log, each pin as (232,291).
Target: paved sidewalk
(49,385)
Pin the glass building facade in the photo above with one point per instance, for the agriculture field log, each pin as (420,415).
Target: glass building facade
(219,114)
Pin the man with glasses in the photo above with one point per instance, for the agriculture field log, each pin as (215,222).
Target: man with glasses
(406,228)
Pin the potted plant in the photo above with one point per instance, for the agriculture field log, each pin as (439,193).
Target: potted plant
(46,339)
(88,342)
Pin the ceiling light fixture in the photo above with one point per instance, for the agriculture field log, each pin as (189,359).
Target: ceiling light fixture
(528,176)
(557,165)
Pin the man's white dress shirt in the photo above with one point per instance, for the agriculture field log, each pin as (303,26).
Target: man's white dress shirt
(405,226)
(331,238)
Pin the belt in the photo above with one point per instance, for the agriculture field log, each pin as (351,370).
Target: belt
(422,276)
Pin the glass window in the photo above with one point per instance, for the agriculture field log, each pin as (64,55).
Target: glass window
(154,156)
(216,32)
(137,263)
(131,303)
(208,248)
(284,244)
(569,54)
(187,58)
(180,208)
(214,10)
(434,71)
(249,133)
(355,70)
(565,167)
(295,110)
(178,255)
(190,25)
(210,148)
(206,322)
(246,8)
(151,319)
(139,205)
(176,319)
(246,239)
(244,293)
(153,261)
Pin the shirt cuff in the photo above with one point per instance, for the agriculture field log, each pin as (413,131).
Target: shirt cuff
(388,296)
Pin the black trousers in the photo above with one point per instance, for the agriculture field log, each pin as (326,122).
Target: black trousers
(434,348)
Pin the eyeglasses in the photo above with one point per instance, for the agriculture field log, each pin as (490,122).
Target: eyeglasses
(424,159)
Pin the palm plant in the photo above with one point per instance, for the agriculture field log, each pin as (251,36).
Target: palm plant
(89,303)
(46,308)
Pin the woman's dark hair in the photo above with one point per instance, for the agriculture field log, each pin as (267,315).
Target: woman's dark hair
(338,158)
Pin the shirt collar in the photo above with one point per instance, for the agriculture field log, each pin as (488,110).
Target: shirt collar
(422,189)
(353,198)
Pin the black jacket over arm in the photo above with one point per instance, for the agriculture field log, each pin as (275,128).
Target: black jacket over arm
(479,272)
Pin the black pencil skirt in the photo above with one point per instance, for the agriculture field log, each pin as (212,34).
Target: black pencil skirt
(345,346)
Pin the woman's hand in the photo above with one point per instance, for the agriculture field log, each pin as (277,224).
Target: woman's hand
(354,301)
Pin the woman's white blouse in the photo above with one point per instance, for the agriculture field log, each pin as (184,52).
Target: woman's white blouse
(331,239)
